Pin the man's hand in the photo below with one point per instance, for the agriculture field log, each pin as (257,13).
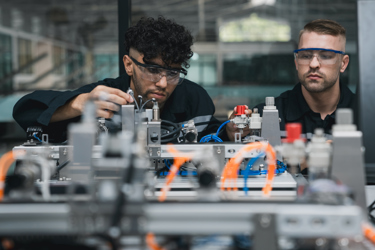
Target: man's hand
(231,128)
(107,100)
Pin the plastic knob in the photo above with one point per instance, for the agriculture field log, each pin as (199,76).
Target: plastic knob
(293,132)
(241,109)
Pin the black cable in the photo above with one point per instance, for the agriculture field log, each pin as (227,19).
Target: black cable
(166,127)
(170,133)
(170,139)
(61,166)
(171,123)
(173,134)
(370,209)
(371,206)
(177,127)
(201,123)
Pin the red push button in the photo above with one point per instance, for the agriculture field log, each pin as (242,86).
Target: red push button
(241,109)
(293,132)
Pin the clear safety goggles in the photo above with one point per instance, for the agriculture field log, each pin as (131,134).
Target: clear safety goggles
(154,73)
(324,56)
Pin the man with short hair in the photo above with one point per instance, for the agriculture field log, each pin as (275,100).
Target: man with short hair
(319,60)
(158,50)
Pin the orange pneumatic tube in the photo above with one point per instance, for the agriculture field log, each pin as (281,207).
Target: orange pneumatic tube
(5,162)
(231,168)
(151,243)
(369,232)
(178,161)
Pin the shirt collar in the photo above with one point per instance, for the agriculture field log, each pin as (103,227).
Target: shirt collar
(298,106)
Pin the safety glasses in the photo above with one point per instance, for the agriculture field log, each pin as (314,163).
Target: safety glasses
(154,73)
(324,56)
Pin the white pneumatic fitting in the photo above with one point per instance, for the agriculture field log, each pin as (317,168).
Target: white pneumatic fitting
(255,120)
(270,103)
(319,153)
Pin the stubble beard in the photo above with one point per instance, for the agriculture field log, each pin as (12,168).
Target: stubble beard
(140,91)
(320,85)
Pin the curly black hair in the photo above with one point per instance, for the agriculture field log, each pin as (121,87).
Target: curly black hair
(160,37)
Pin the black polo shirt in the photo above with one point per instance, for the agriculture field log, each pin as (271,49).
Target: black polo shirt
(189,101)
(293,107)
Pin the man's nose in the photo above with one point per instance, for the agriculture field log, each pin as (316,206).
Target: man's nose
(162,83)
(314,63)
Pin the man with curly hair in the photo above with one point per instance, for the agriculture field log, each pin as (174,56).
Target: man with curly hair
(158,51)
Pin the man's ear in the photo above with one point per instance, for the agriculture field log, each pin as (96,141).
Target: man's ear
(344,63)
(128,65)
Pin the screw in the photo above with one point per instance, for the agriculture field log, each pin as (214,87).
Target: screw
(320,242)
(114,232)
(343,242)
(265,220)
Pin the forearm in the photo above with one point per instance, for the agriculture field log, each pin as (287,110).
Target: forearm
(71,109)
